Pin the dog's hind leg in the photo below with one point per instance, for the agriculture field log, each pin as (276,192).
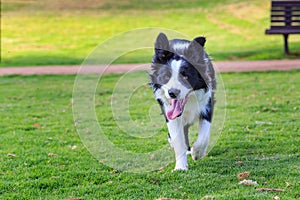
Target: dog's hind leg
(200,146)
(176,131)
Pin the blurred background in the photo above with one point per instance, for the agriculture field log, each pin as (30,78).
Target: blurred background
(54,32)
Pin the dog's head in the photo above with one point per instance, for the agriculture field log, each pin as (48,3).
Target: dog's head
(180,67)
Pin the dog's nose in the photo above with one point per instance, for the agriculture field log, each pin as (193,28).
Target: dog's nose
(173,92)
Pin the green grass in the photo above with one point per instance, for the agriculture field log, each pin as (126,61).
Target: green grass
(65,32)
(261,130)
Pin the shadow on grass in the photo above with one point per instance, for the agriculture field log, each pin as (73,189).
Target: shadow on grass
(37,60)
(261,54)
(145,56)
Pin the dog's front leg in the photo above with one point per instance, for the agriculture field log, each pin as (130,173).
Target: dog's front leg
(177,141)
(200,146)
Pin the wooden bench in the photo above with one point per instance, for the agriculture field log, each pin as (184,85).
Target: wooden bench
(285,19)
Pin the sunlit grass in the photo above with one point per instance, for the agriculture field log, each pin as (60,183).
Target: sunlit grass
(65,33)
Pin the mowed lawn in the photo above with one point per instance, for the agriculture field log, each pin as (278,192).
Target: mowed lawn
(42,156)
(65,32)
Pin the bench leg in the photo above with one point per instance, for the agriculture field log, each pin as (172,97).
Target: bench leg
(286,45)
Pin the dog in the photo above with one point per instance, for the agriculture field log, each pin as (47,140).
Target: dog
(183,81)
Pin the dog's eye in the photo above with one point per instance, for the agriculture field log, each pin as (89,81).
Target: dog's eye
(163,79)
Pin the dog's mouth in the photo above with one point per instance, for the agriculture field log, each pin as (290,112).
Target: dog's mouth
(176,107)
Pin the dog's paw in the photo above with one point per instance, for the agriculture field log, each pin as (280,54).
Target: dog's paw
(181,163)
(198,153)
(180,169)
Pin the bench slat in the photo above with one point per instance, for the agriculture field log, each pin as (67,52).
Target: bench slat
(285,3)
(285,27)
(284,11)
(282,31)
(284,20)
(284,15)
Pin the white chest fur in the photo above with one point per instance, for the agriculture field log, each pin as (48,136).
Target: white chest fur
(195,105)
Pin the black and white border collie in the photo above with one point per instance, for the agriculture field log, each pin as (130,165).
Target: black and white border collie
(183,80)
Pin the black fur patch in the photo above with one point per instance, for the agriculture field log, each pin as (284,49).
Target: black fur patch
(162,56)
(201,40)
(190,76)
(209,111)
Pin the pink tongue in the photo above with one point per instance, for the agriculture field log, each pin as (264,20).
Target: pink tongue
(175,109)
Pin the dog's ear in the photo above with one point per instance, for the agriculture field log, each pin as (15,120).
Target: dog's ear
(162,49)
(201,40)
(195,53)
(162,42)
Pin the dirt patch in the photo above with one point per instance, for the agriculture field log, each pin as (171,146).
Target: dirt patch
(227,66)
